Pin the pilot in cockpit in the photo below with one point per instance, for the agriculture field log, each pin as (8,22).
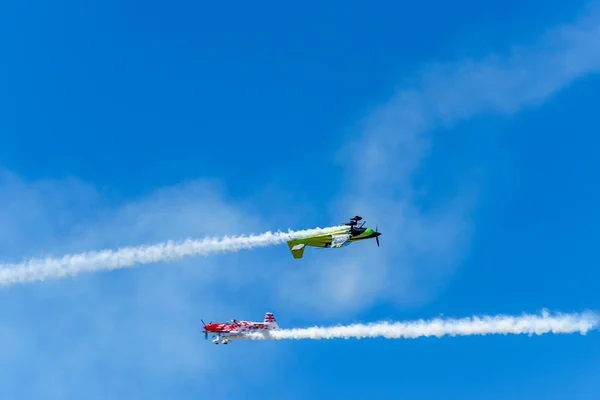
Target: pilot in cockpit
(358,228)
(234,321)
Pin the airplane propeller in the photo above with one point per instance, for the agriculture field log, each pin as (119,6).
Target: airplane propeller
(377,237)
(205,333)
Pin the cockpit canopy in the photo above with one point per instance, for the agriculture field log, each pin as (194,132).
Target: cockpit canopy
(358,229)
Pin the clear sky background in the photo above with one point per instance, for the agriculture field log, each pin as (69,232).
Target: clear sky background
(468,131)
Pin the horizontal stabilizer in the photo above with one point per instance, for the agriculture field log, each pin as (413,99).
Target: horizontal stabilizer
(297,249)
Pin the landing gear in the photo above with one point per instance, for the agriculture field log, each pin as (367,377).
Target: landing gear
(218,339)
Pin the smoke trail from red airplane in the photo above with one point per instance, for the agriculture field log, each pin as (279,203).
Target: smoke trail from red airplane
(529,324)
(38,269)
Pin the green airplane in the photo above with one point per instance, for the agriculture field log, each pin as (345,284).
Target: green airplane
(334,240)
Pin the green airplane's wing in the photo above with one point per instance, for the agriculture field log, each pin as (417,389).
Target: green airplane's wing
(297,246)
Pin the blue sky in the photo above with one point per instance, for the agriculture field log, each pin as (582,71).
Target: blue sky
(466,133)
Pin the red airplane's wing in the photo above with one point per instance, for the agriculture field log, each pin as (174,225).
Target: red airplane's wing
(220,328)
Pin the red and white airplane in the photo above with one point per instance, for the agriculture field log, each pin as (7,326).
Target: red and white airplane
(225,332)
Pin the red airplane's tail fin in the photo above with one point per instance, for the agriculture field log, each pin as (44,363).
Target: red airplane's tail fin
(270,320)
(269,317)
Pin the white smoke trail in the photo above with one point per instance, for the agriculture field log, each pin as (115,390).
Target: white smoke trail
(530,324)
(72,264)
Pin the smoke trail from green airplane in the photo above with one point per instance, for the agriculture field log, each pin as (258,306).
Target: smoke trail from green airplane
(39,269)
